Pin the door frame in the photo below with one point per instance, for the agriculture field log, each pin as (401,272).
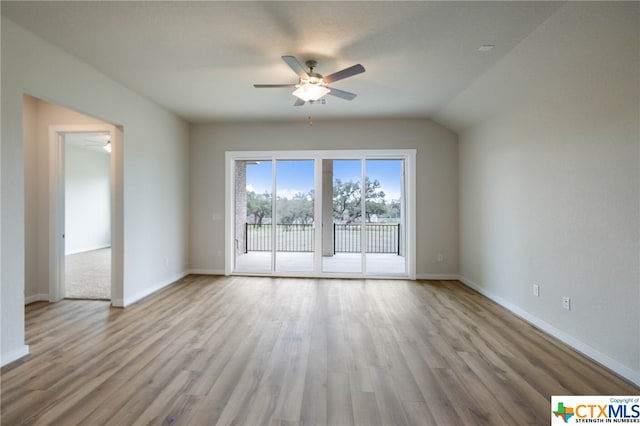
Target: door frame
(57,208)
(409,181)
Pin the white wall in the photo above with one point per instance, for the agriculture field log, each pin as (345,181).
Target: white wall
(30,146)
(549,184)
(87,199)
(437,182)
(155,170)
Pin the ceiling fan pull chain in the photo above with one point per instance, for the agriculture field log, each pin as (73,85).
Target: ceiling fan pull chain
(310,122)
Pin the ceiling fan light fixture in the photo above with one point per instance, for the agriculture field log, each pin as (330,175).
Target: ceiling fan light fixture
(310,92)
(311,86)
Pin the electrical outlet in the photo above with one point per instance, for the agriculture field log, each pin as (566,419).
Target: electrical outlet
(536,290)
(566,303)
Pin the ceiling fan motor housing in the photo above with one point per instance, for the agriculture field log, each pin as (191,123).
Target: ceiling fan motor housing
(314,78)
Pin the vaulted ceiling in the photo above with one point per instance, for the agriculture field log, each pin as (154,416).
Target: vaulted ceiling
(201,59)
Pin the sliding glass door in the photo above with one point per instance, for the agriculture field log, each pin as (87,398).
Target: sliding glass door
(384,217)
(253,236)
(294,207)
(342,216)
(320,213)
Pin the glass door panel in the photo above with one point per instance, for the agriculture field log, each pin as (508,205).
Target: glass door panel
(295,230)
(253,219)
(342,216)
(384,214)
(362,209)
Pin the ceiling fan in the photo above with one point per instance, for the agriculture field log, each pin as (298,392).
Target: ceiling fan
(312,86)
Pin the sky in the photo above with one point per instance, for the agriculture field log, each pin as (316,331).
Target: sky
(297,175)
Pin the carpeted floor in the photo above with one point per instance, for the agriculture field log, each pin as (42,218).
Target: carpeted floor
(88,275)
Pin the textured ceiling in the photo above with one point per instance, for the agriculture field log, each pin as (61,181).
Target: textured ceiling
(200,59)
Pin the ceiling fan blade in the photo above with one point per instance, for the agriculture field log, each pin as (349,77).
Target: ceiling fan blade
(267,86)
(295,66)
(341,94)
(299,102)
(347,72)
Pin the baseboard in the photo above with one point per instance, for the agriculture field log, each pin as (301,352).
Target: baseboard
(603,359)
(207,271)
(418,277)
(122,303)
(84,250)
(36,298)
(437,277)
(14,355)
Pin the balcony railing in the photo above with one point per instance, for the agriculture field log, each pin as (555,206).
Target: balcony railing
(381,238)
(289,237)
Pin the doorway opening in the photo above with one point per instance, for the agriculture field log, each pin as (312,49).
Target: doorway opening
(87,216)
(321,213)
(47,130)
(107,264)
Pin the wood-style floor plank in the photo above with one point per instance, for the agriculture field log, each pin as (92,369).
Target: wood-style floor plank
(287,351)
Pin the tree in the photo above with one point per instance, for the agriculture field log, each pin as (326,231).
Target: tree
(393,209)
(375,208)
(347,198)
(258,206)
(297,210)
(303,208)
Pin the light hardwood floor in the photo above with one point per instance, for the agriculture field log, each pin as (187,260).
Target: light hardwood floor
(286,351)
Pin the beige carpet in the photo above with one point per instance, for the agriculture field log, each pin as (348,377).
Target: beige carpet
(88,275)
